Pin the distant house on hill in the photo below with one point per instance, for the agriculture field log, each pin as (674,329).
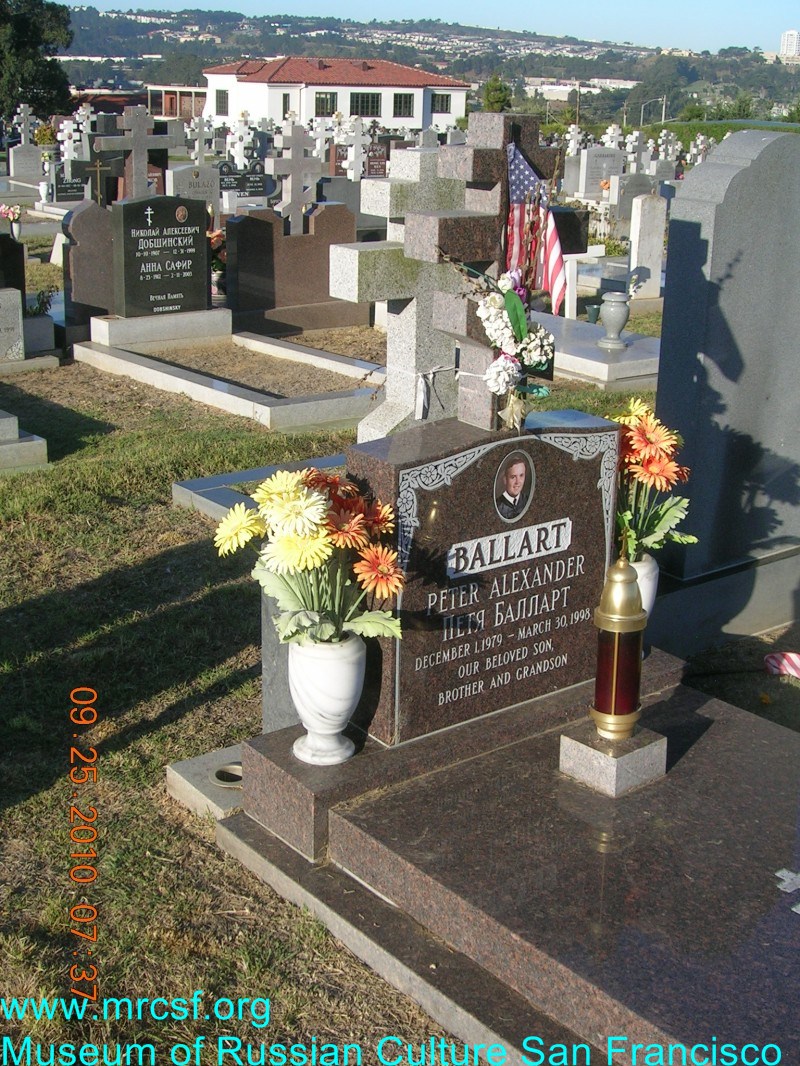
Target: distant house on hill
(398,97)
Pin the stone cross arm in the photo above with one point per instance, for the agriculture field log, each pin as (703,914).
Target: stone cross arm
(380,270)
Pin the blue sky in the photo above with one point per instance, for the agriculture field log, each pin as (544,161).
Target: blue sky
(695,24)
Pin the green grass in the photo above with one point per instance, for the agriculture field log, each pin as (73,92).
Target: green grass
(40,275)
(647,323)
(104,583)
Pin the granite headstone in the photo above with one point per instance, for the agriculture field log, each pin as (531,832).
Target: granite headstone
(269,269)
(70,190)
(88,263)
(596,165)
(12,263)
(198,182)
(731,323)
(12,348)
(161,262)
(500,593)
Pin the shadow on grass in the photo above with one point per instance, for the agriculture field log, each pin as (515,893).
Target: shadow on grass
(154,636)
(66,431)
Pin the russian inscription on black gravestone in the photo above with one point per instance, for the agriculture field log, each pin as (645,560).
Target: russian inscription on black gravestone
(252,182)
(160,256)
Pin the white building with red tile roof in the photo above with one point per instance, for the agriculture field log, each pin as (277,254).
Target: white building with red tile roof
(398,97)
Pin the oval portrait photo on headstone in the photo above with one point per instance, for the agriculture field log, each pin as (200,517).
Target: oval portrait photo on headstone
(181,214)
(514,485)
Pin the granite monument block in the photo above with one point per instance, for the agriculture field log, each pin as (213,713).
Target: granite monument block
(12,263)
(269,269)
(505,540)
(12,349)
(161,262)
(731,323)
(88,263)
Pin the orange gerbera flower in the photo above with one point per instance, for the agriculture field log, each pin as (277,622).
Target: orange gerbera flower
(380,518)
(335,485)
(650,438)
(658,472)
(378,571)
(346,529)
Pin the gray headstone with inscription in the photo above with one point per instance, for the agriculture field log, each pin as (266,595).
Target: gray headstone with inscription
(199,182)
(598,165)
(12,349)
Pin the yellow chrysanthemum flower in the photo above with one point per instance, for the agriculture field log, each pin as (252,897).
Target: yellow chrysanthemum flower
(290,554)
(238,527)
(300,514)
(281,483)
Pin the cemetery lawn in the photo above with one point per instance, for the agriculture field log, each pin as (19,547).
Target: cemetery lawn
(103,583)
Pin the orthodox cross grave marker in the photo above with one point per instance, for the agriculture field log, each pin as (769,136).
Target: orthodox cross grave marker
(137,140)
(298,170)
(430,190)
(69,139)
(22,120)
(357,141)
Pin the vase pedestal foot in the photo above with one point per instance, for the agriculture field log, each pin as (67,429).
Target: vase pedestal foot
(323,750)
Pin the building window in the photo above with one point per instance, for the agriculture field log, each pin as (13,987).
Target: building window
(368,105)
(440,103)
(287,104)
(222,102)
(403,105)
(324,105)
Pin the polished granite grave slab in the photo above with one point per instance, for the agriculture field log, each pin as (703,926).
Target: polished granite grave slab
(292,799)
(663,916)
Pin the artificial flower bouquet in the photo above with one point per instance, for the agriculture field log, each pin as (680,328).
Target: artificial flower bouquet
(648,469)
(219,251)
(323,561)
(11,212)
(523,347)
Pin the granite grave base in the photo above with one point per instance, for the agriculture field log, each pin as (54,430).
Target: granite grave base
(662,917)
(127,353)
(20,452)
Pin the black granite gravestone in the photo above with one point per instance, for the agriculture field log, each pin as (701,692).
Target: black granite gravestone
(69,190)
(12,264)
(377,156)
(102,169)
(252,182)
(160,256)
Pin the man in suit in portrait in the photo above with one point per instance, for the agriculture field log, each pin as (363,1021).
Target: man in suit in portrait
(514,498)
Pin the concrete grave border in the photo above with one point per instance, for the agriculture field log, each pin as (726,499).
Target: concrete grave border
(109,351)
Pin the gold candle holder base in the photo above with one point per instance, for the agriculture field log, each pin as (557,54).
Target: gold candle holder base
(615,726)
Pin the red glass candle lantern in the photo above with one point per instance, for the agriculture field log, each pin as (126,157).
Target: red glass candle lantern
(621,622)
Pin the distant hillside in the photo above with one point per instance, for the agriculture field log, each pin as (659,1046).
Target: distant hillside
(126,49)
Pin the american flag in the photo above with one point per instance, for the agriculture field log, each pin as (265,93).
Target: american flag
(527,215)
